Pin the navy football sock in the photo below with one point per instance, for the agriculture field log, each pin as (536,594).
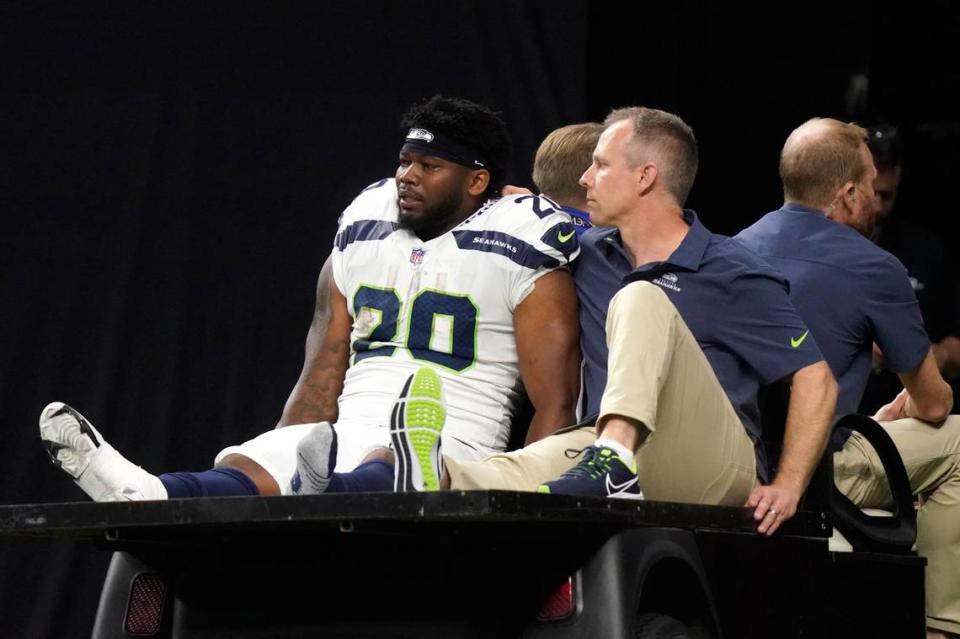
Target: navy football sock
(217,482)
(374,476)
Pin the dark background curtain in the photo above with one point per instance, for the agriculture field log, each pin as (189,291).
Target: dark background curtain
(171,174)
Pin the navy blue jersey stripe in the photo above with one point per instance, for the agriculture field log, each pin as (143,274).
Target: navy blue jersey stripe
(364,230)
(507,245)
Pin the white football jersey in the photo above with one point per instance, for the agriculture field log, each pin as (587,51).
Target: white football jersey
(447,303)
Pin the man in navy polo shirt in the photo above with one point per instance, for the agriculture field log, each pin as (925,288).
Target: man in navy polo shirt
(696,323)
(854,294)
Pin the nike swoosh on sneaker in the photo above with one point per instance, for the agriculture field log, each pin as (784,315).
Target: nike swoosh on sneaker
(797,341)
(614,489)
(563,238)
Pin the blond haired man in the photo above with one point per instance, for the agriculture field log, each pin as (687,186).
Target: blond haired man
(561,159)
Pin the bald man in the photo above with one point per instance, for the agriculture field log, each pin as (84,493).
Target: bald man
(851,294)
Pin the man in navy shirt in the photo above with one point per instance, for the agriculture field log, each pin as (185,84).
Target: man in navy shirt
(696,324)
(854,294)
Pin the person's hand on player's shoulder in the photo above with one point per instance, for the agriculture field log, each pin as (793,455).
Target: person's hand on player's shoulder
(510,189)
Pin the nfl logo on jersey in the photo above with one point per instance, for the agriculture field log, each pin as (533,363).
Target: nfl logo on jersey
(416,256)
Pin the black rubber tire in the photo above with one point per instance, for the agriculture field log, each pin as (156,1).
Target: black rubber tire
(653,625)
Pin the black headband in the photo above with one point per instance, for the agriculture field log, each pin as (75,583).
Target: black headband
(442,146)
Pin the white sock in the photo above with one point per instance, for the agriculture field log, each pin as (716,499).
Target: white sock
(625,454)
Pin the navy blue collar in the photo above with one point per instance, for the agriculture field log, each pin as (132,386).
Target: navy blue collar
(688,256)
(576,212)
(794,207)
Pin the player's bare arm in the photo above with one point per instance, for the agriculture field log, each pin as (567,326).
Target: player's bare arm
(314,397)
(548,333)
(813,398)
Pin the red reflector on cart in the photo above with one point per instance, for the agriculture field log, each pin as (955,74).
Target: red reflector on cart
(561,604)
(145,608)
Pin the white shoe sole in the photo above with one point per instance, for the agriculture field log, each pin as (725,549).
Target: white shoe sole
(76,447)
(70,440)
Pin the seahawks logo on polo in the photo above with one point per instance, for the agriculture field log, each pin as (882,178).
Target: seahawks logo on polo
(420,134)
(668,280)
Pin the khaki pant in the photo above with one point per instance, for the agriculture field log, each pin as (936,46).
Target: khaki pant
(697,450)
(932,459)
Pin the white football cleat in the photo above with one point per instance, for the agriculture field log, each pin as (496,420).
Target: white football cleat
(76,447)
